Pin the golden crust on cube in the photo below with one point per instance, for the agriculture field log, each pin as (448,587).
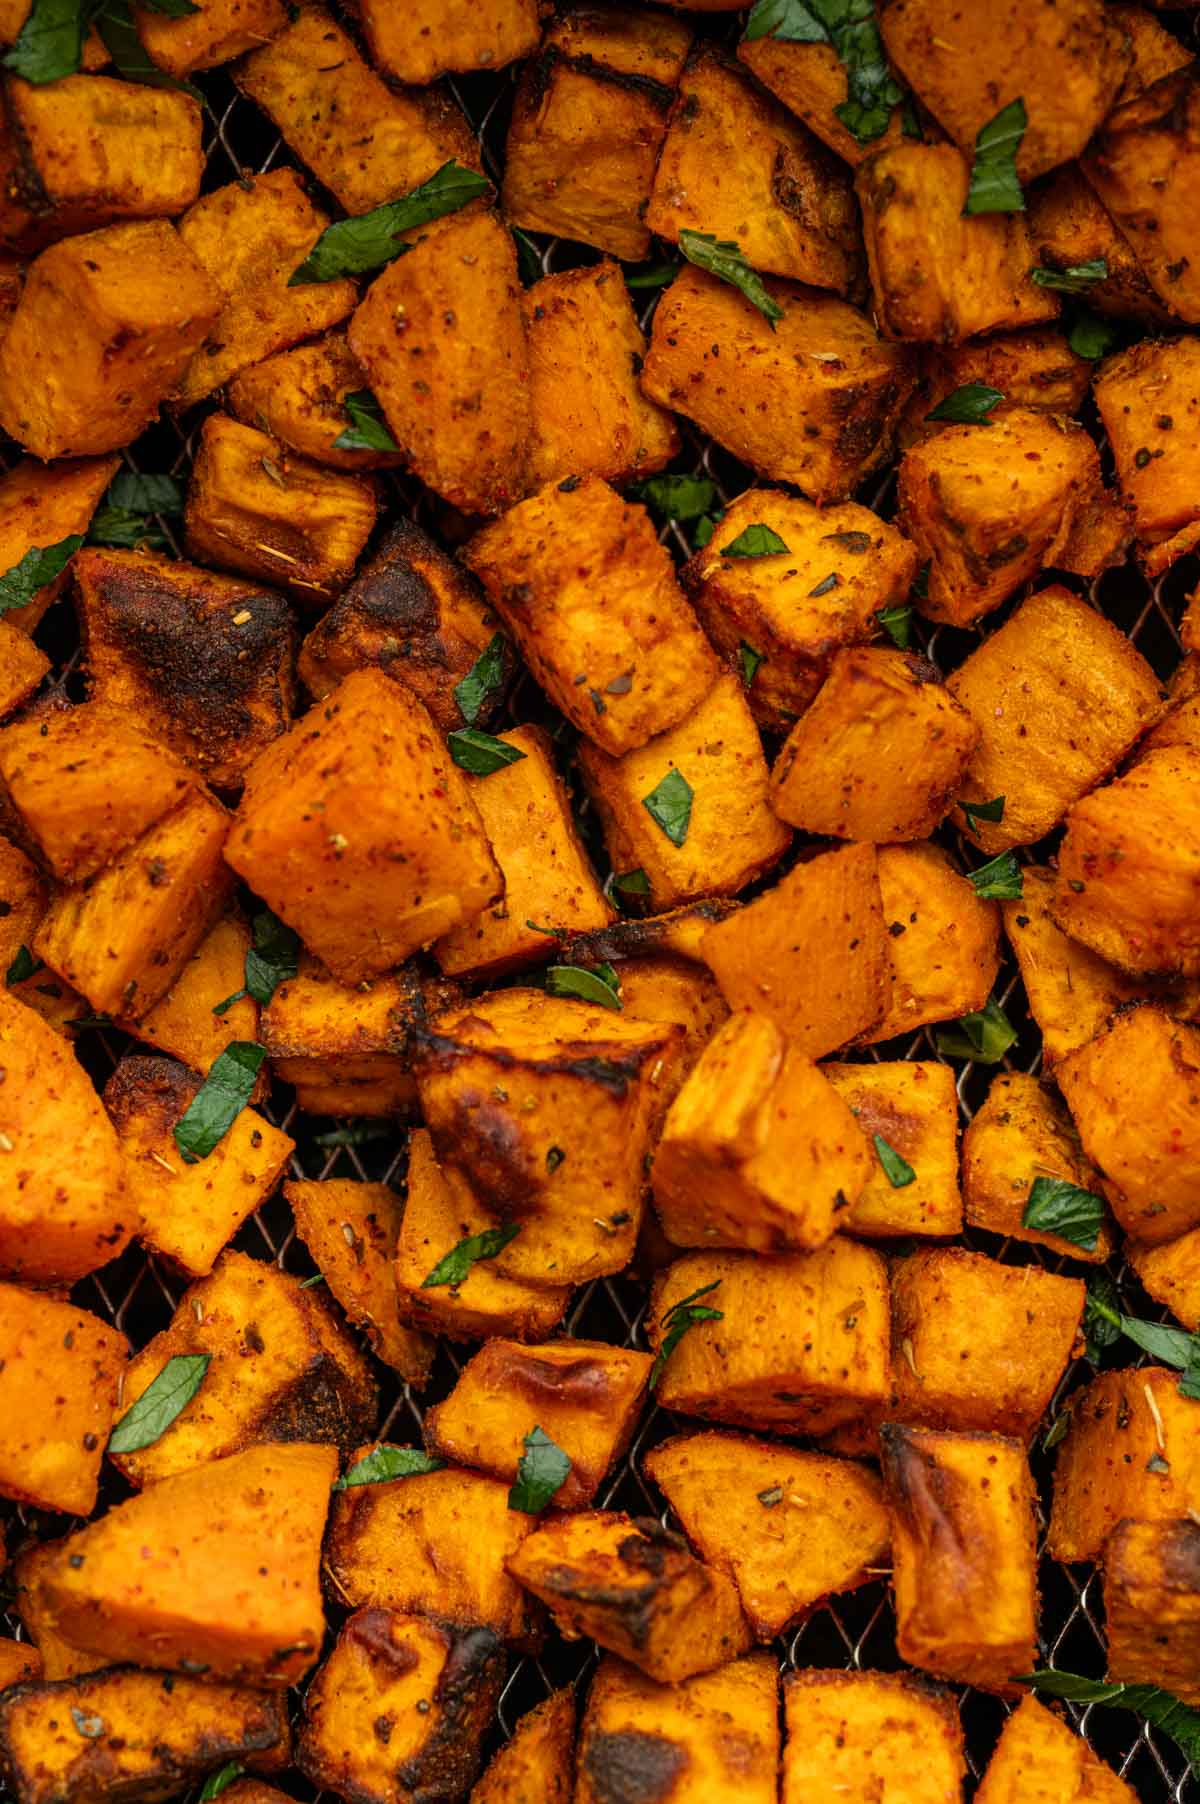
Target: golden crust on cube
(964,1554)
(185,1022)
(803,1345)
(1019,1133)
(439,37)
(731,835)
(757,1150)
(1149,403)
(60,1374)
(584,1394)
(346,1047)
(590,418)
(913,1106)
(1038,1753)
(1171,1274)
(1033,368)
(944,962)
(1068,226)
(205,38)
(299,397)
(1072,993)
(810,399)
(358,831)
(133,303)
(1106,1468)
(1152,1605)
(441,337)
(536,1764)
(583,585)
(1058,695)
(853,1733)
(790,1528)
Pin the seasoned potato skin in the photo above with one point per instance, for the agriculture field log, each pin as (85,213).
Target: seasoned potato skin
(1101,1473)
(1021,1132)
(60,1373)
(851,1732)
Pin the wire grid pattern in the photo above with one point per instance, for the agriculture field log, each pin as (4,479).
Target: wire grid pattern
(138,1294)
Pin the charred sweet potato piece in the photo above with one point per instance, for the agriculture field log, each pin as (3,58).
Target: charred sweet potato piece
(345,1047)
(1171,1274)
(633,1587)
(365,1735)
(810,399)
(365,141)
(939,274)
(802,1346)
(134,303)
(584,1394)
(393,856)
(437,37)
(1034,367)
(250,237)
(200,40)
(676,934)
(730,835)
(1149,402)
(912,1106)
(351,1231)
(140,1584)
(526,816)
(65,1216)
(758,1150)
(590,418)
(185,1022)
(536,1765)
(1068,226)
(1071,991)
(849,1733)
(964,1552)
(790,1528)
(442,340)
(1020,1133)
(299,398)
(844,565)
(414,613)
(1152,1605)
(1107,1467)
(1058,695)
(22,667)
(1037,1749)
(714,1736)
(281,1368)
(944,961)
(60,1372)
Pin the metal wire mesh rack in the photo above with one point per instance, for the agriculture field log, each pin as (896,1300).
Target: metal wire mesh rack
(137,1294)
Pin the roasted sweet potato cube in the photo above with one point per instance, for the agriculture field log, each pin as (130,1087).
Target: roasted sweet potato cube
(86,784)
(426,40)
(256,508)
(1035,367)
(1171,1274)
(123,937)
(1066,62)
(977,1344)
(204,662)
(964,1554)
(18,1662)
(662,988)
(1020,1133)
(912,1106)
(588,123)
(991,506)
(1058,695)
(1107,1467)
(361,834)
(60,1372)
(87,151)
(201,40)
(299,397)
(23,897)
(251,237)
(42,504)
(133,303)
(141,1584)
(812,398)
(1180,724)
(442,340)
(738,165)
(1068,226)
(22,667)
(940,274)
(584,1394)
(714,1736)
(414,613)
(802,1346)
(365,1734)
(712,762)
(347,1042)
(1132,1094)
(185,1023)
(60,1660)
(188,1212)
(157,1733)
(758,1150)
(1037,1749)
(822,986)
(945,958)
(1143,163)
(1072,993)
(281,1368)
(526,816)
(434,1543)
(64,1215)
(791,1529)
(599,423)
(851,1733)
(878,755)
(810,79)
(549,1108)
(365,141)
(844,565)
(351,1231)
(537,1762)
(1152,1605)
(633,1587)
(1149,403)
(440,1212)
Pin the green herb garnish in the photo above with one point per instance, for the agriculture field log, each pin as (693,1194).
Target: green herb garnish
(601,985)
(1104,1323)
(969,405)
(755,541)
(669,804)
(984,1035)
(999,880)
(219,1781)
(38,567)
(632,883)
(529,258)
(23,965)
(367,430)
(851,27)
(351,247)
(995,186)
(272,957)
(677,497)
(357,1133)
(1092,337)
(542,1471)
(454,1266)
(159,1404)
(1076,278)
(722,258)
(681,1316)
(973,812)
(128,515)
(655,275)
(897,624)
(897,1170)
(748,662)
(480,753)
(219,1100)
(384,1464)
(483,682)
(1162,1711)
(1055,1206)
